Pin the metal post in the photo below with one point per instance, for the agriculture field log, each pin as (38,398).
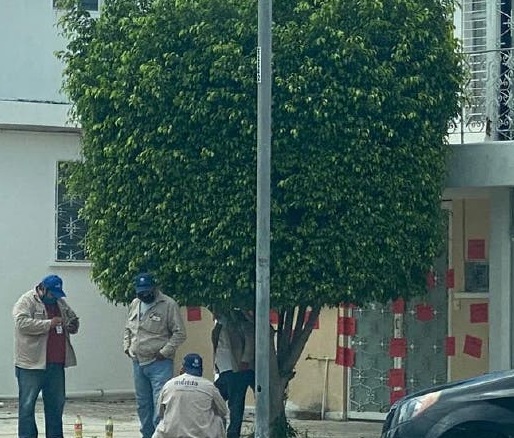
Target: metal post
(262,300)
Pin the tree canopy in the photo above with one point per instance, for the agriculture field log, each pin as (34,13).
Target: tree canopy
(165,92)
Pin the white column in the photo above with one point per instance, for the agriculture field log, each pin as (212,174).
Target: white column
(500,288)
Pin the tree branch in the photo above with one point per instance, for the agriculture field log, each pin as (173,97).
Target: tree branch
(284,336)
(299,341)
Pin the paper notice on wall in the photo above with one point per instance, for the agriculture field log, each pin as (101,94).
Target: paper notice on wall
(194,314)
(345,356)
(479,313)
(349,357)
(347,306)
(424,312)
(346,325)
(473,346)
(476,249)
(398,306)
(306,318)
(396,378)
(397,395)
(449,346)
(398,347)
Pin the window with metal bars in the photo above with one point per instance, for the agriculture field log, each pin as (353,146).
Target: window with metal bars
(505,124)
(484,28)
(70,227)
(88,5)
(474,44)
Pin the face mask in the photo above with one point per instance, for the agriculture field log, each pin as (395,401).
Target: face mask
(147,298)
(48,300)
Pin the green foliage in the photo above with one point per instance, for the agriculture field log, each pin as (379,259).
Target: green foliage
(166,95)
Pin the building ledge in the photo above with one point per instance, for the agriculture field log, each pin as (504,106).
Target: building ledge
(481,165)
(36,116)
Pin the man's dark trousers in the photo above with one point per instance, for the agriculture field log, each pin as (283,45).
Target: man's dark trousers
(237,387)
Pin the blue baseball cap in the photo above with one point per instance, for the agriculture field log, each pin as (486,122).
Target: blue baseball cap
(193,364)
(54,284)
(144,282)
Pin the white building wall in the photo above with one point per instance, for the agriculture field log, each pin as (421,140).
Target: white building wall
(28,39)
(34,135)
(27,242)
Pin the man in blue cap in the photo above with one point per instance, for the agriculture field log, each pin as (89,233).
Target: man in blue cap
(190,405)
(43,323)
(153,332)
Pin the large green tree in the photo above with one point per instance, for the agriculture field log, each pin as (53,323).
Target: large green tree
(165,92)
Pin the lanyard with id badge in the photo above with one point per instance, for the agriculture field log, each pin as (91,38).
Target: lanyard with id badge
(154,317)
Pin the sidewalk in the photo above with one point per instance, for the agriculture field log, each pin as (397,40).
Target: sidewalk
(94,413)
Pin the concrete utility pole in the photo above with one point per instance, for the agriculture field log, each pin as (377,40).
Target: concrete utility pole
(262,300)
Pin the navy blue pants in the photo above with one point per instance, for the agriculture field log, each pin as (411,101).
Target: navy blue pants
(232,387)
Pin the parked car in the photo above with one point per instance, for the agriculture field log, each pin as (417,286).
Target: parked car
(480,407)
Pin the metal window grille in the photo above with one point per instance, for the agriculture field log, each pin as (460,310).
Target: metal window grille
(474,43)
(485,32)
(88,5)
(473,37)
(505,123)
(70,228)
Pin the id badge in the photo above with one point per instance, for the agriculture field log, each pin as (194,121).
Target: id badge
(58,329)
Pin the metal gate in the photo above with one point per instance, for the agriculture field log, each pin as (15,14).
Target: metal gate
(398,348)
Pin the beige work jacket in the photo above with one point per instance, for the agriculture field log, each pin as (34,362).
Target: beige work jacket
(31,324)
(241,336)
(191,407)
(160,330)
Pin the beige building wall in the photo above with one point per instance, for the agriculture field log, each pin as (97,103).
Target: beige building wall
(198,341)
(470,222)
(319,383)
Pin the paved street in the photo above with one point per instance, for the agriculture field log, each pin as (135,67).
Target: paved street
(123,412)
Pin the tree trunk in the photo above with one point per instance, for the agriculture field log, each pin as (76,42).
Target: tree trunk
(277,395)
(294,328)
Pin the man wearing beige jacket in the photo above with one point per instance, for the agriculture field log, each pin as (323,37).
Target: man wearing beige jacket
(43,322)
(233,339)
(153,332)
(191,406)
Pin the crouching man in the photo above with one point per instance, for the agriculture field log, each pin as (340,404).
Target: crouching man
(190,406)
